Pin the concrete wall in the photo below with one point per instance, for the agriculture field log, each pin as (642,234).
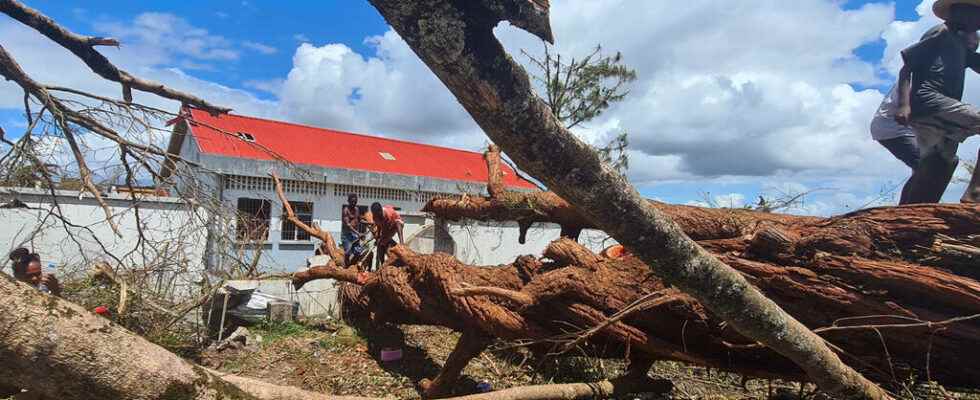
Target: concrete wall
(494,243)
(180,232)
(316,298)
(279,255)
(173,231)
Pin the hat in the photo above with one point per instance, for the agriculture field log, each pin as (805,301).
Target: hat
(941,7)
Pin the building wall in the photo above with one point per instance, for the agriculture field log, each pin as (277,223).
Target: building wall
(173,231)
(182,232)
(494,243)
(327,199)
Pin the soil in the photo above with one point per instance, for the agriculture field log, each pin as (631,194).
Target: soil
(332,357)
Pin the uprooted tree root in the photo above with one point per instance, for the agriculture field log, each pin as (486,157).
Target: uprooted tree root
(894,290)
(859,300)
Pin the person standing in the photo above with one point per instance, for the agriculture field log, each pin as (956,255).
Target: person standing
(387,223)
(930,93)
(350,230)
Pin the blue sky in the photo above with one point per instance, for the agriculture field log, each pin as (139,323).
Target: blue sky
(725,110)
(276,24)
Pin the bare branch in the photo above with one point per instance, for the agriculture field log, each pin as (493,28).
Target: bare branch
(12,71)
(83,47)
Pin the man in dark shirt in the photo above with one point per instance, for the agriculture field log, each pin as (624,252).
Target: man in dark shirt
(930,93)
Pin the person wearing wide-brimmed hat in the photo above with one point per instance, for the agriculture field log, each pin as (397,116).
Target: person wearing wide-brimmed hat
(930,92)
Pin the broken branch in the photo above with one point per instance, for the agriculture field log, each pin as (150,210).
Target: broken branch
(82,47)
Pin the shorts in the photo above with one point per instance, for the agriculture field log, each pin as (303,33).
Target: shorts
(941,132)
(347,240)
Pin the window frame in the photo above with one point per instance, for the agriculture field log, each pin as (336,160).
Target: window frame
(286,225)
(254,216)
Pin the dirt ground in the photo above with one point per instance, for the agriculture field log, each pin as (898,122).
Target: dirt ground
(329,356)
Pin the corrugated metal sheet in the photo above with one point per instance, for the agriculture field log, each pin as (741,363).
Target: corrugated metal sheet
(316,298)
(302,144)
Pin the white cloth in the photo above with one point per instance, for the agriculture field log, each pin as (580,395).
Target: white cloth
(883,125)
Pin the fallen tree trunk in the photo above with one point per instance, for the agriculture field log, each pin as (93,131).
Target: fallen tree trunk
(58,350)
(888,317)
(879,284)
(456,41)
(528,208)
(576,391)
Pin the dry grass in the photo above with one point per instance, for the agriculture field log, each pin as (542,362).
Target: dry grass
(332,357)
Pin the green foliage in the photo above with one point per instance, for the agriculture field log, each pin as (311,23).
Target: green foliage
(19,176)
(579,90)
(140,318)
(615,152)
(344,338)
(272,331)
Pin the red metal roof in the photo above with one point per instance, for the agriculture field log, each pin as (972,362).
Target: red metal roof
(329,148)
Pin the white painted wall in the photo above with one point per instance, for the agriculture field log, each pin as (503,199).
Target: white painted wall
(180,231)
(286,256)
(173,228)
(493,243)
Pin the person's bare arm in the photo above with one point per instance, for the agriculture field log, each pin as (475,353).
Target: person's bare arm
(904,111)
(401,228)
(52,283)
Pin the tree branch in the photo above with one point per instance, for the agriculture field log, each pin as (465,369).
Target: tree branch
(83,48)
(12,71)
(497,93)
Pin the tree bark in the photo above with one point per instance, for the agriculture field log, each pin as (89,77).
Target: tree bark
(469,345)
(59,350)
(577,391)
(884,315)
(528,208)
(455,39)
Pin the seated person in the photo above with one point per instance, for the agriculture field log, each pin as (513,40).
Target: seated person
(34,276)
(19,257)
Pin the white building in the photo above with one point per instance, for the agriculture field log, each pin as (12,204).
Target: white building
(235,155)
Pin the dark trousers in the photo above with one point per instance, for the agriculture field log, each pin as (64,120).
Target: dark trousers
(939,136)
(972,194)
(906,149)
(929,181)
(903,148)
(382,251)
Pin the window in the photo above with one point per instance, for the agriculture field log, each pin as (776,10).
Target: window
(253,219)
(304,211)
(386,156)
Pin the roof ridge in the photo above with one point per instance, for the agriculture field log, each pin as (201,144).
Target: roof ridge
(345,132)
